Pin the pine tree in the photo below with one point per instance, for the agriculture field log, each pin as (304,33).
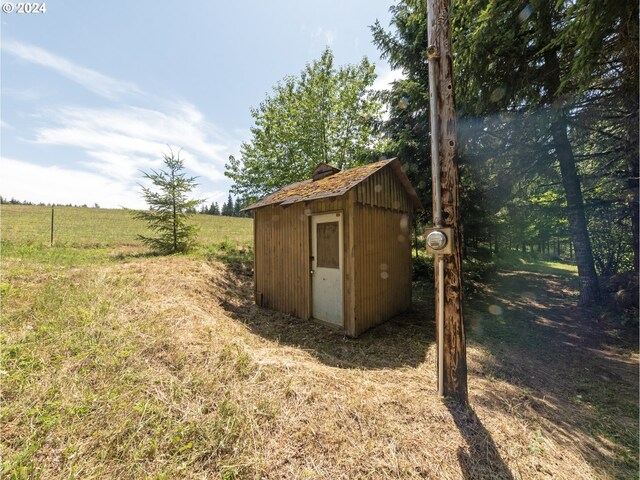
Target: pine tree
(236,208)
(169,207)
(548,104)
(227,208)
(529,43)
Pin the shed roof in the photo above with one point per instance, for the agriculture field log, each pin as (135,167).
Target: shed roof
(336,185)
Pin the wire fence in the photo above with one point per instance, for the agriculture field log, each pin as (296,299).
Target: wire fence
(90,227)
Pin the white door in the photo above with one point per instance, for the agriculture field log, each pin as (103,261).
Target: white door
(326,268)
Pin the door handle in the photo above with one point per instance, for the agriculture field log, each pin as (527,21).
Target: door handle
(312,272)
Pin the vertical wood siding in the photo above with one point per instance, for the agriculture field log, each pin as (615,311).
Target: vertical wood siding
(382,265)
(382,247)
(382,189)
(281,259)
(377,253)
(282,255)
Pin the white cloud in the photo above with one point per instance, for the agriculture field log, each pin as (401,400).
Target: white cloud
(23,94)
(117,166)
(211,196)
(121,141)
(89,79)
(327,34)
(26,181)
(384,81)
(330,36)
(110,145)
(386,77)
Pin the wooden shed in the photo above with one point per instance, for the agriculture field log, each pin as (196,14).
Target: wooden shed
(337,247)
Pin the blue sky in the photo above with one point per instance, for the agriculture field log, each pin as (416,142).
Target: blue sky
(92,92)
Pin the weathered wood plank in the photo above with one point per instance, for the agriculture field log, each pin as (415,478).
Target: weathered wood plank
(455,360)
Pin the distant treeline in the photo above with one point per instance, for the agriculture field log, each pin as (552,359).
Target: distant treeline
(13,201)
(230,208)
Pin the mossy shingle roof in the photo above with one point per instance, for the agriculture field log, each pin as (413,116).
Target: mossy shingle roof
(334,186)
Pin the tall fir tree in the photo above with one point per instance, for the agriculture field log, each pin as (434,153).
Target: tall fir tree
(527,76)
(547,93)
(227,207)
(236,208)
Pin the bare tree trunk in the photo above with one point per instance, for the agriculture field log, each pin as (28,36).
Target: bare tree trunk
(589,288)
(630,85)
(634,203)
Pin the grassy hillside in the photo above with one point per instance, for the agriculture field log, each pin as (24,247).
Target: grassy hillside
(99,227)
(97,235)
(117,364)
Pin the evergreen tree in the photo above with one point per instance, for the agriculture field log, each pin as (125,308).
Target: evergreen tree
(548,104)
(227,208)
(528,75)
(604,39)
(236,208)
(407,127)
(169,207)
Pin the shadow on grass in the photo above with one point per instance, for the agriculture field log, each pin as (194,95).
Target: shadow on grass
(568,368)
(483,265)
(400,342)
(572,366)
(124,256)
(482,460)
(229,253)
(532,263)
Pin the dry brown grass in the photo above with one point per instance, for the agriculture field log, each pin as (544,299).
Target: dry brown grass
(163,368)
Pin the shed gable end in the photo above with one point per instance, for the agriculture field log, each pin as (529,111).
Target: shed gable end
(383,190)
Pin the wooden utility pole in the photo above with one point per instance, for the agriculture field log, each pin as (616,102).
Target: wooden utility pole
(452,357)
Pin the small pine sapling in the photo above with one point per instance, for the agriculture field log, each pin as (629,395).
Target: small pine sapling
(169,207)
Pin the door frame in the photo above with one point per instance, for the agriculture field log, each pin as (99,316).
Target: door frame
(341,259)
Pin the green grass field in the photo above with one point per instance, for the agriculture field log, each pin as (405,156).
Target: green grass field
(98,227)
(117,363)
(96,235)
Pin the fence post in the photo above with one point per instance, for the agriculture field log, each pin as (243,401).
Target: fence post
(52,208)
